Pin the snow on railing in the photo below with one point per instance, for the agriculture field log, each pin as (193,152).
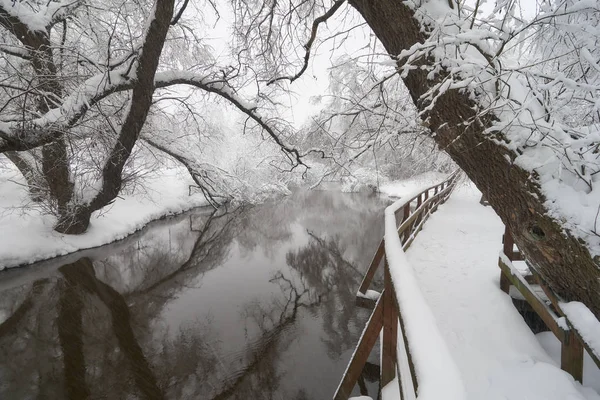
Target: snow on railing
(436,372)
(415,362)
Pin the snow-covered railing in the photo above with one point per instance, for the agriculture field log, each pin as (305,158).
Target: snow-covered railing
(573,324)
(414,357)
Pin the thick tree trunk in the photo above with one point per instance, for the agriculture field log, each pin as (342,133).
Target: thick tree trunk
(73,221)
(78,216)
(562,259)
(55,158)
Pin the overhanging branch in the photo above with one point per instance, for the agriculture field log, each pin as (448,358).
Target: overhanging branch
(308,46)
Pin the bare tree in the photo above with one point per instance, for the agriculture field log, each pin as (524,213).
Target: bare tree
(91,92)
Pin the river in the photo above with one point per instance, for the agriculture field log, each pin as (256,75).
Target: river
(254,302)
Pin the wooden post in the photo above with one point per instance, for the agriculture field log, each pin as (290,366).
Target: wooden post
(420,216)
(361,354)
(507,240)
(406,215)
(390,331)
(406,212)
(366,282)
(571,356)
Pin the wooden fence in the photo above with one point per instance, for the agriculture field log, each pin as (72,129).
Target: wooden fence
(547,305)
(412,214)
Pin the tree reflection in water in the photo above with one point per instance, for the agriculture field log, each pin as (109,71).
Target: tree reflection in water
(98,326)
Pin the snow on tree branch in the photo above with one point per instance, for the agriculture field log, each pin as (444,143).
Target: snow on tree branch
(531,78)
(25,13)
(25,135)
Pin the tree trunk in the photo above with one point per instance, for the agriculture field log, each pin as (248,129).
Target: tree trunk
(35,181)
(73,221)
(563,260)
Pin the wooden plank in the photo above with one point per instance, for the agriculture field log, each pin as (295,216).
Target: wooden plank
(504,282)
(390,331)
(362,351)
(413,375)
(507,248)
(541,308)
(571,356)
(379,255)
(364,302)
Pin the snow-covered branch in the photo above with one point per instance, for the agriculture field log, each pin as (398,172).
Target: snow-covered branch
(25,135)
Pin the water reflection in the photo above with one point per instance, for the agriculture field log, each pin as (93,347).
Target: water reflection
(245,303)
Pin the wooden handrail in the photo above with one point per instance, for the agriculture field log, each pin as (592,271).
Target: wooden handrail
(441,192)
(572,342)
(386,315)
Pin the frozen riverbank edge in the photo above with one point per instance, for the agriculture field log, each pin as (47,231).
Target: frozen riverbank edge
(27,235)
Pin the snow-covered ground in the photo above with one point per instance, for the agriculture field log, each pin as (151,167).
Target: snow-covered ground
(455,261)
(27,235)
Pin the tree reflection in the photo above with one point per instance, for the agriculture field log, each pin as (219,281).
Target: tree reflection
(95,329)
(83,318)
(322,265)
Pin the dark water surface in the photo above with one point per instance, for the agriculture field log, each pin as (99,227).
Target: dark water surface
(252,303)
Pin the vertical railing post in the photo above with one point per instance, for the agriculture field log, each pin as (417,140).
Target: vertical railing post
(407,230)
(390,331)
(571,355)
(507,248)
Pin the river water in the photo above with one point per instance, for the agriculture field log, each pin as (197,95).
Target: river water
(245,303)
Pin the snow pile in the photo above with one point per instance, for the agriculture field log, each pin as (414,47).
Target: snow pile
(27,234)
(437,374)
(591,373)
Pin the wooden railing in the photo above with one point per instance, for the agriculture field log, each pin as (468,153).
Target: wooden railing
(386,316)
(548,306)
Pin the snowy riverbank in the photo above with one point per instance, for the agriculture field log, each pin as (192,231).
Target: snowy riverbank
(27,235)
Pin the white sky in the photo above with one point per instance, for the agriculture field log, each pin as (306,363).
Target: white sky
(315,80)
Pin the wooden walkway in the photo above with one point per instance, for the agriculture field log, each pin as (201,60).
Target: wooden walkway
(455,261)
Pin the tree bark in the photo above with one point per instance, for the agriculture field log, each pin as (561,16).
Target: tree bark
(55,160)
(77,219)
(514,193)
(36,183)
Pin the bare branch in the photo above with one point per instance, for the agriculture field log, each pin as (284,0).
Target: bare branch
(308,45)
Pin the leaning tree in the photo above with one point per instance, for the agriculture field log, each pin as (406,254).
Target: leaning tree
(511,97)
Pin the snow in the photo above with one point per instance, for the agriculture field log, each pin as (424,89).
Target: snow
(27,235)
(35,21)
(591,373)
(391,390)
(455,265)
(369,295)
(585,322)
(437,373)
